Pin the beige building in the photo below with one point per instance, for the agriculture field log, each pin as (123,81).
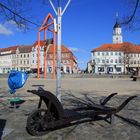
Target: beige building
(25,58)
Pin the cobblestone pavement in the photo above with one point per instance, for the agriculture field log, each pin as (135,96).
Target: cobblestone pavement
(13,121)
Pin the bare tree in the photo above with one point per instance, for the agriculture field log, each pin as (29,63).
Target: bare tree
(132,20)
(19,13)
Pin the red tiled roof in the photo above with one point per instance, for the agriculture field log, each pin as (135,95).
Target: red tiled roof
(25,49)
(42,43)
(63,49)
(13,49)
(125,47)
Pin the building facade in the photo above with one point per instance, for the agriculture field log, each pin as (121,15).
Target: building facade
(7,59)
(34,56)
(25,58)
(68,60)
(116,58)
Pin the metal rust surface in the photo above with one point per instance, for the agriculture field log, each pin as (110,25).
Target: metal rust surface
(54,116)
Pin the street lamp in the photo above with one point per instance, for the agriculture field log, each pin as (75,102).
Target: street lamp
(138,68)
(59,12)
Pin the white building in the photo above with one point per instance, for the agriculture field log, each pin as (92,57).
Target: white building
(6,59)
(116,58)
(108,59)
(34,55)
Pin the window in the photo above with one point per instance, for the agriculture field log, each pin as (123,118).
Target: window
(115,60)
(119,53)
(33,61)
(110,69)
(102,53)
(21,55)
(115,53)
(27,55)
(103,61)
(24,55)
(100,69)
(50,69)
(134,61)
(111,61)
(98,53)
(107,53)
(42,48)
(118,69)
(33,55)
(67,55)
(64,61)
(67,69)
(111,53)
(120,61)
(107,61)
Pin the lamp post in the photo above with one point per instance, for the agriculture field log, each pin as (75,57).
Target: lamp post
(127,60)
(93,66)
(138,68)
(59,12)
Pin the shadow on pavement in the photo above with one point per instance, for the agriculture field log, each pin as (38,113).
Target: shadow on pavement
(2,126)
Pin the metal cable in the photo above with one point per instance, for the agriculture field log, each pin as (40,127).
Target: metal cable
(14,13)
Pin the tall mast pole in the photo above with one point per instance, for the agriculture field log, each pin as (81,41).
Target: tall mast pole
(59,39)
(59,12)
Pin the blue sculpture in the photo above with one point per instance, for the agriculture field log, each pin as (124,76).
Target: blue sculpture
(16,80)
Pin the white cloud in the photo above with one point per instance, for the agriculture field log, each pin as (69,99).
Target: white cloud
(13,25)
(4,30)
(74,49)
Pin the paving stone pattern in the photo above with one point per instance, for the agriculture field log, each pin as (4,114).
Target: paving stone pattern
(96,88)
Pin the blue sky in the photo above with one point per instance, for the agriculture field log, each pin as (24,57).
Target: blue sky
(86,24)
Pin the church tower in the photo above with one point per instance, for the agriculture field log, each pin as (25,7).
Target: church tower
(117,32)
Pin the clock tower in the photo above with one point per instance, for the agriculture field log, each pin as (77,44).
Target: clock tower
(117,32)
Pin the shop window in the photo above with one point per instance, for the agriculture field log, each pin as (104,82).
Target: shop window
(67,69)
(118,69)
(100,69)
